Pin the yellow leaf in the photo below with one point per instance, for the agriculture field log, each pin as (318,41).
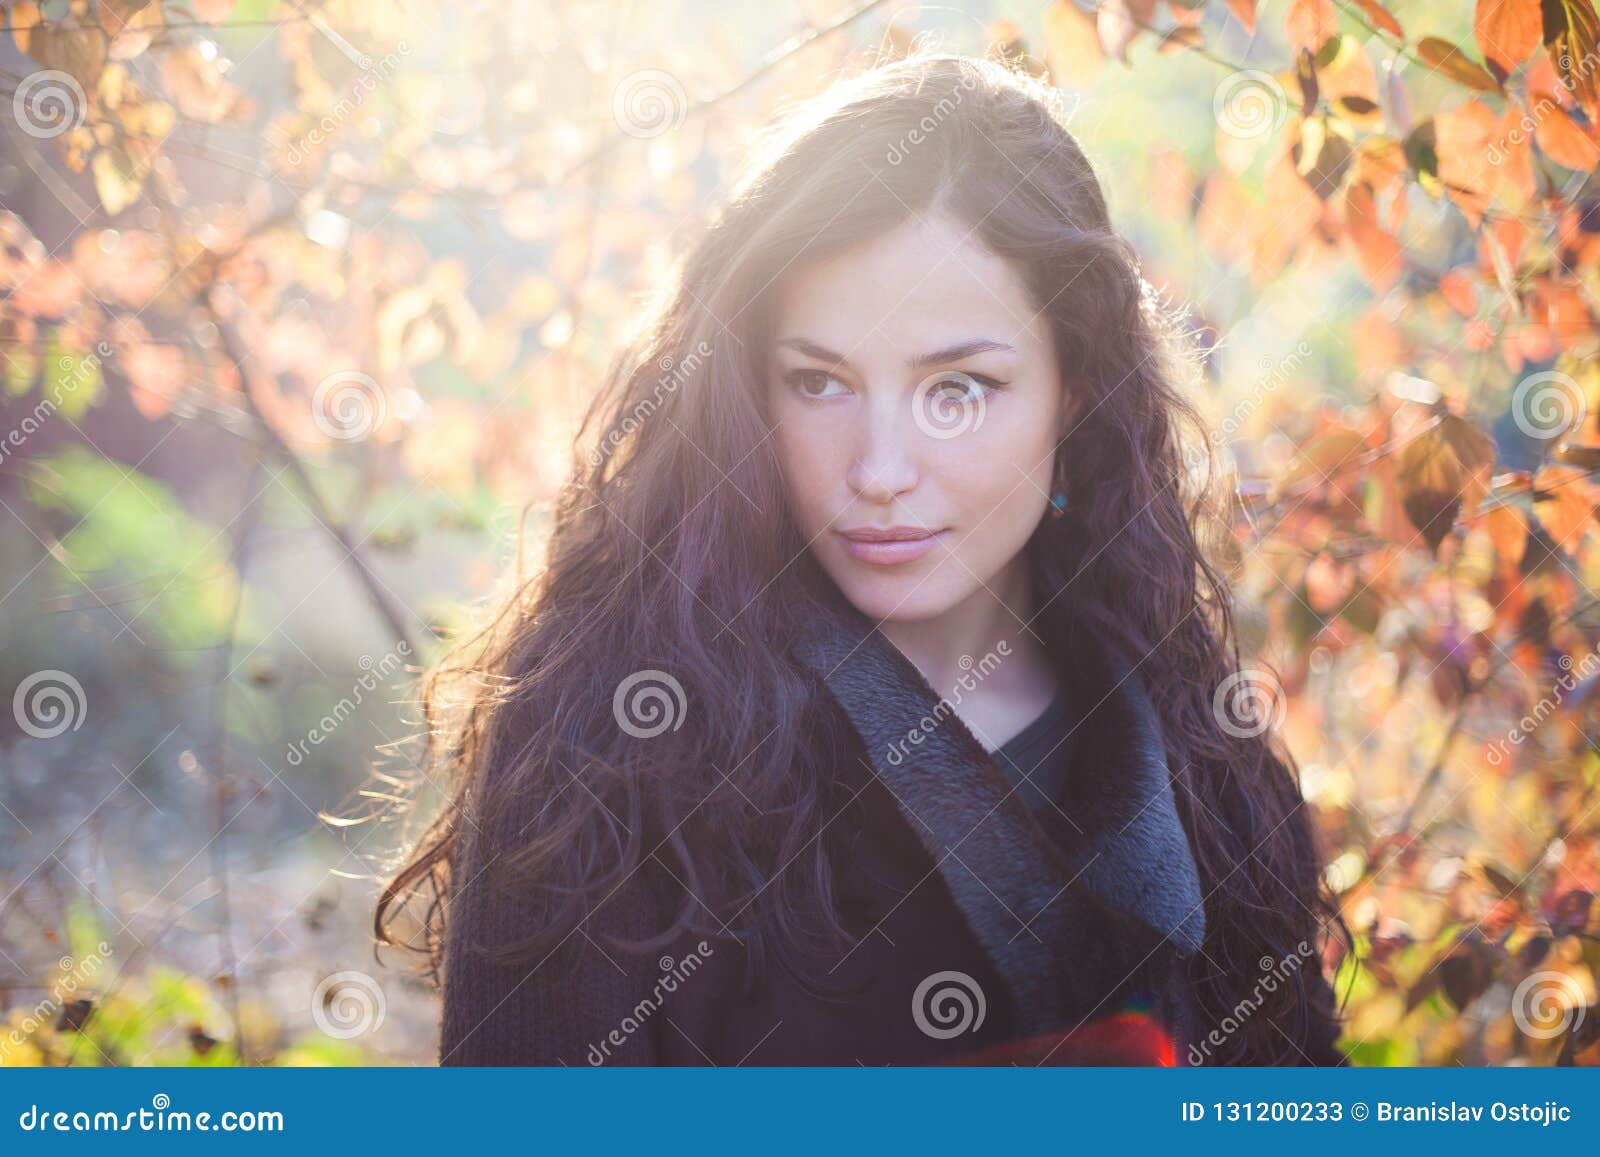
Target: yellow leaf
(115,180)
(1072,45)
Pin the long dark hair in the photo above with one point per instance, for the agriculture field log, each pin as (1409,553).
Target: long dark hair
(671,554)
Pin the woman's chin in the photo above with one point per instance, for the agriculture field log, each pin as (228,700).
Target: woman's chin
(896,598)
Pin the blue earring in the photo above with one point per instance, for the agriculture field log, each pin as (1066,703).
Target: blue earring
(1058,502)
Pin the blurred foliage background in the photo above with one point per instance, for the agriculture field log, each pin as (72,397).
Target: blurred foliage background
(303,301)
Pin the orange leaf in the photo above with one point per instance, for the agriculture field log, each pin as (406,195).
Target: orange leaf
(50,289)
(1310,23)
(1449,61)
(1482,155)
(1572,37)
(1459,292)
(1185,17)
(1568,319)
(1507,31)
(1508,532)
(1292,211)
(1072,45)
(1564,142)
(1567,510)
(155,375)
(1506,233)
(1381,18)
(1224,213)
(23,18)
(1377,252)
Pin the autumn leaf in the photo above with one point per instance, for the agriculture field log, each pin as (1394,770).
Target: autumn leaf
(1507,31)
(1381,18)
(68,47)
(1449,61)
(1459,291)
(1479,160)
(1309,23)
(1572,38)
(1294,211)
(1442,472)
(117,179)
(197,87)
(23,17)
(1377,251)
(1564,142)
(1322,152)
(1072,45)
(1120,22)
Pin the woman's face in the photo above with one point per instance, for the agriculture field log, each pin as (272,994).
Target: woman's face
(914,389)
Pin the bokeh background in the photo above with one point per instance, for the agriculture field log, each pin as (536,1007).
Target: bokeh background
(303,302)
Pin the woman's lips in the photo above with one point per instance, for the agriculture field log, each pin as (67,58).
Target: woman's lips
(890,552)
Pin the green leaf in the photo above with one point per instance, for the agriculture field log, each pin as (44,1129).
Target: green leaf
(127,528)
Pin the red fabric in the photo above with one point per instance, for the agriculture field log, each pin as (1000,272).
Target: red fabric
(1124,1038)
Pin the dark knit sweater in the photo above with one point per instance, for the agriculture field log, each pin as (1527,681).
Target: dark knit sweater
(1037,758)
(1045,918)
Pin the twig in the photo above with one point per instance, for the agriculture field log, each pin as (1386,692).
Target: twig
(216,761)
(383,602)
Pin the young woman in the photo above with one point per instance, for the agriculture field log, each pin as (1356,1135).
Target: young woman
(865,711)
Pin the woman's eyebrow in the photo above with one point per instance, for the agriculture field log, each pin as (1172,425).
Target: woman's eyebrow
(961,350)
(812,350)
(953,353)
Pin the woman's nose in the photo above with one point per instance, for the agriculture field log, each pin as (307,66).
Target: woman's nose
(885,464)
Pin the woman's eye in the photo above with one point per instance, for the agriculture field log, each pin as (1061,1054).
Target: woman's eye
(804,381)
(959,387)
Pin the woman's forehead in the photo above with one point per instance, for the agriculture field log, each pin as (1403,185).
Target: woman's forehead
(917,287)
